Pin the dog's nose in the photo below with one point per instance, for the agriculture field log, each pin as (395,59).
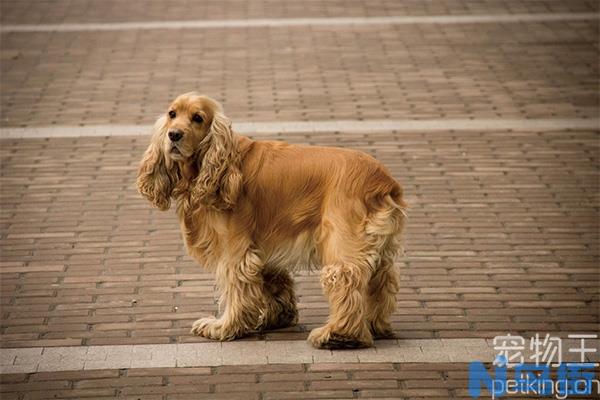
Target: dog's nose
(175,135)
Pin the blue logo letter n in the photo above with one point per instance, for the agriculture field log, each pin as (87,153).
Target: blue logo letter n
(478,375)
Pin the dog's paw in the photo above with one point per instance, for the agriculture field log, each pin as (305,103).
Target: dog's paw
(287,317)
(212,328)
(382,330)
(324,338)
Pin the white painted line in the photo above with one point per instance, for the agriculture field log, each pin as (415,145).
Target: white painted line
(292,22)
(214,354)
(75,131)
(233,353)
(342,126)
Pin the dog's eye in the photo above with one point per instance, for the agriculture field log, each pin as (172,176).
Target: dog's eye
(197,118)
(172,114)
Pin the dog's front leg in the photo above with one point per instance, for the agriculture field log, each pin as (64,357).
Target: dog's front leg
(242,295)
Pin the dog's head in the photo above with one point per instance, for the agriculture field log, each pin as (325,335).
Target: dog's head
(187,123)
(192,150)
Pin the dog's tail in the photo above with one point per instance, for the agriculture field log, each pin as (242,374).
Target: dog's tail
(389,219)
(385,225)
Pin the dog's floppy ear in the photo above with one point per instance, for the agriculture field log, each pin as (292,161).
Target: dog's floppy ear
(219,179)
(156,175)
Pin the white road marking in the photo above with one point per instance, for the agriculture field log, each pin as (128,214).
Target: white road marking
(342,126)
(37,359)
(292,22)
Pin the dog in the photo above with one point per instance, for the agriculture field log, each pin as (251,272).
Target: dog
(254,211)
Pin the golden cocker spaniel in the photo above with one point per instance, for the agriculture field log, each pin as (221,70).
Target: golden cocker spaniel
(253,211)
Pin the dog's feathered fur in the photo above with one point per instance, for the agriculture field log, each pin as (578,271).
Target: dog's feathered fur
(252,211)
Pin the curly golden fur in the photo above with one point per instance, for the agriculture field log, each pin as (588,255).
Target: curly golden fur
(253,211)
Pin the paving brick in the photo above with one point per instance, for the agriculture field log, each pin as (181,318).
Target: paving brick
(312,376)
(354,384)
(71,394)
(321,394)
(245,353)
(218,396)
(18,387)
(13,378)
(351,367)
(73,375)
(119,382)
(144,390)
(280,352)
(169,371)
(259,387)
(235,369)
(213,379)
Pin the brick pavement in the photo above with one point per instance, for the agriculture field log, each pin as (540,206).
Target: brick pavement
(305,73)
(384,380)
(440,381)
(502,237)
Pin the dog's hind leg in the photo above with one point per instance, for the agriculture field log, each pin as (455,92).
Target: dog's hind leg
(384,228)
(344,277)
(381,301)
(345,287)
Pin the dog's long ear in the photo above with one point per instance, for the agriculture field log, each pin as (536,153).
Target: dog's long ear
(219,179)
(156,176)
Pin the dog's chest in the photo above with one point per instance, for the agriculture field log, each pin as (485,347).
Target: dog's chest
(204,234)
